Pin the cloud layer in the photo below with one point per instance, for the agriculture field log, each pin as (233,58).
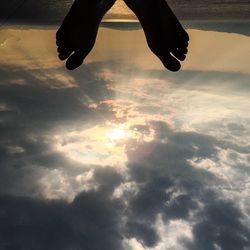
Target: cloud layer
(52,12)
(121,154)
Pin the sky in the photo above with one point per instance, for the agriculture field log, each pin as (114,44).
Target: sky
(52,11)
(122,154)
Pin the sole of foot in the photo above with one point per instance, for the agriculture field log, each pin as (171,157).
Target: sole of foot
(165,36)
(77,35)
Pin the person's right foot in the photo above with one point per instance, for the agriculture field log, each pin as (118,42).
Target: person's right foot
(165,35)
(77,34)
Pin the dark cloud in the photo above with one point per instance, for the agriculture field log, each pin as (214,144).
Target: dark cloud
(52,12)
(33,12)
(91,221)
(220,225)
(38,100)
(211,10)
(167,184)
(121,25)
(32,111)
(227,79)
(230,26)
(180,207)
(107,179)
(143,232)
(236,128)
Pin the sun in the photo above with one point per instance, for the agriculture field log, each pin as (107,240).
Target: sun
(117,134)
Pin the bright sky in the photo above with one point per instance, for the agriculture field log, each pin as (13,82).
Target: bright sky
(120,9)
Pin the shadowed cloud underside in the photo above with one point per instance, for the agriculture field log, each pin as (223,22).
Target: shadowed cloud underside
(52,12)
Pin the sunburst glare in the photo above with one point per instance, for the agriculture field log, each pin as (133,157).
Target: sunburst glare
(118,134)
(106,144)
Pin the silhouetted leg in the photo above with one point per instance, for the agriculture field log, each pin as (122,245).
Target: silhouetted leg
(77,34)
(165,35)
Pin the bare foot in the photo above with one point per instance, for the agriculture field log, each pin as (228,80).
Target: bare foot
(165,35)
(77,34)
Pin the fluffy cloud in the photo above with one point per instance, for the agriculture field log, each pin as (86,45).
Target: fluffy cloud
(166,186)
(118,156)
(91,221)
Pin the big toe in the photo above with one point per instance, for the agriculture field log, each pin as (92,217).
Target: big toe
(171,63)
(179,54)
(64,52)
(75,60)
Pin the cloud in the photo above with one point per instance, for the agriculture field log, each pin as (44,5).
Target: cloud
(91,221)
(35,49)
(169,186)
(220,229)
(39,12)
(33,174)
(237,27)
(48,13)
(182,159)
(229,26)
(210,10)
(31,113)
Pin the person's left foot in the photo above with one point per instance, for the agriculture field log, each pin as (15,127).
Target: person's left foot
(165,36)
(77,34)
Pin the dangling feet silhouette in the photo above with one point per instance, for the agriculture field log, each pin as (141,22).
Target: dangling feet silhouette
(77,34)
(165,35)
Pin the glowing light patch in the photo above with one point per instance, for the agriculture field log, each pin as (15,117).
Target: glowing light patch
(103,145)
(118,134)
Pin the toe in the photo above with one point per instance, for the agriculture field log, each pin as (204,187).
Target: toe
(179,54)
(64,52)
(183,50)
(171,63)
(181,43)
(59,37)
(186,36)
(59,33)
(182,33)
(75,60)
